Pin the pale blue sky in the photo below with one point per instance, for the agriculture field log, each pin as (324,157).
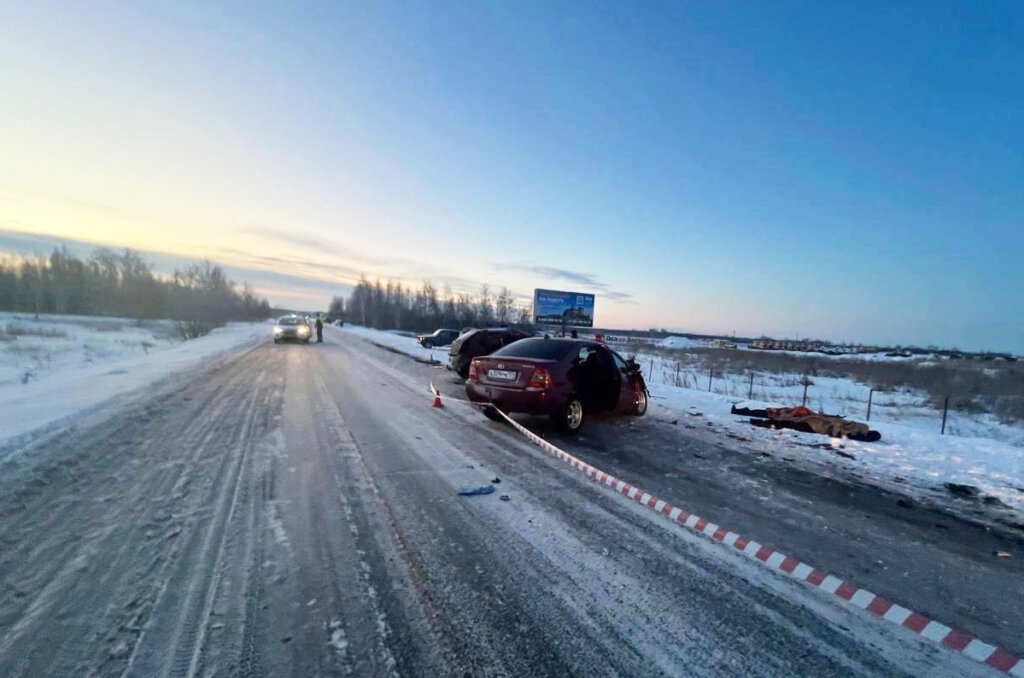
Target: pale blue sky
(849,171)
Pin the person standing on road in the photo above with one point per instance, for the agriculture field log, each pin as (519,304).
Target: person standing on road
(319,328)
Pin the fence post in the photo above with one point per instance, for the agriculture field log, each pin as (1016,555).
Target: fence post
(870,394)
(945,408)
(806,384)
(711,374)
(750,391)
(650,375)
(677,374)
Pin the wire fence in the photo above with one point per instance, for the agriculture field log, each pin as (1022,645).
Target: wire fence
(837,395)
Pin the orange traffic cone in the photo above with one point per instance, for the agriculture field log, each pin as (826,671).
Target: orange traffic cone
(437,399)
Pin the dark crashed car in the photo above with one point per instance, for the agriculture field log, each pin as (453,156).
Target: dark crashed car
(565,379)
(437,338)
(473,343)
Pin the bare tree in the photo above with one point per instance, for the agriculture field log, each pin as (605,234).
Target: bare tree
(485,309)
(503,306)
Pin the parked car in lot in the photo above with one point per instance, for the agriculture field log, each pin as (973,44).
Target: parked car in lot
(437,338)
(292,328)
(565,379)
(477,342)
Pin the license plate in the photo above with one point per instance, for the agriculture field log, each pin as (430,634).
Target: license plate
(502,375)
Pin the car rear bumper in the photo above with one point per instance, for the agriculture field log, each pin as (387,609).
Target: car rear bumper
(516,399)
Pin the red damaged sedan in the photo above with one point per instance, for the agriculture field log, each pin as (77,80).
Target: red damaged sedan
(565,379)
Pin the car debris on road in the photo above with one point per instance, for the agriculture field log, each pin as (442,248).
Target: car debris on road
(472,491)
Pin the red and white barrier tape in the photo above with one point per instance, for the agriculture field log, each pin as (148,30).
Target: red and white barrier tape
(919,624)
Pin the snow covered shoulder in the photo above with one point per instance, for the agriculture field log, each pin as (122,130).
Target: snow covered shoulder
(54,367)
(399,342)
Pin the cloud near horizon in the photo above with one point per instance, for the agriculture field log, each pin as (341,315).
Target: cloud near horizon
(587,280)
(320,245)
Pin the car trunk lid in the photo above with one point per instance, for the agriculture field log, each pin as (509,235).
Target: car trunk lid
(508,372)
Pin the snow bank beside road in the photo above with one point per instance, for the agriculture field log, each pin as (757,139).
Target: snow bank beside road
(402,343)
(69,385)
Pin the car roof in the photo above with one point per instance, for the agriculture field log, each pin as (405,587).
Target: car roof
(570,340)
(590,343)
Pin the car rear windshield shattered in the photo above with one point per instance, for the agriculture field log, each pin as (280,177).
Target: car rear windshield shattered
(545,349)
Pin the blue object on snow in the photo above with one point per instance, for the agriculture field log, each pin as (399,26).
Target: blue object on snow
(469,491)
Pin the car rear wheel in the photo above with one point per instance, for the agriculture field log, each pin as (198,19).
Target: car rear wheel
(570,418)
(493,415)
(641,403)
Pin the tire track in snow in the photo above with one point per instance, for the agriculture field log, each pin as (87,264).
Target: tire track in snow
(71,547)
(176,651)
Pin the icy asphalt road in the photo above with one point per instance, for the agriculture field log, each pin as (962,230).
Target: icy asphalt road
(291,511)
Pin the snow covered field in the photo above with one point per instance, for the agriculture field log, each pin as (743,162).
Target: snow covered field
(977,450)
(905,454)
(678,342)
(834,395)
(31,348)
(55,366)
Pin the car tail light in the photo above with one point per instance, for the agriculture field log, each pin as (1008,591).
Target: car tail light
(541,379)
(473,375)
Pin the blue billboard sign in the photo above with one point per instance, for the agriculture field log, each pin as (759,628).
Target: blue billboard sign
(552,307)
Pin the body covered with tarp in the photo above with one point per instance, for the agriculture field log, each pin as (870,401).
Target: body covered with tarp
(803,419)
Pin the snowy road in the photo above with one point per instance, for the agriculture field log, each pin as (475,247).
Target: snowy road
(291,511)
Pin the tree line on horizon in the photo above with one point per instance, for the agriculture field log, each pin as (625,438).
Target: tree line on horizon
(122,284)
(391,305)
